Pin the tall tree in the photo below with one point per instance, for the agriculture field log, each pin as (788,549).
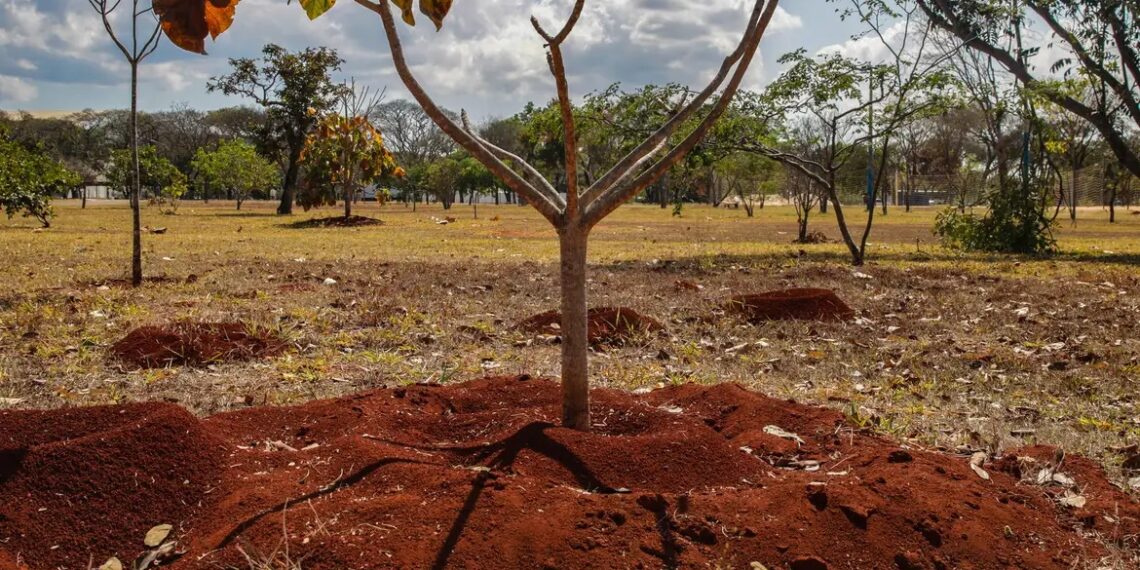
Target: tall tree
(1101,36)
(294,89)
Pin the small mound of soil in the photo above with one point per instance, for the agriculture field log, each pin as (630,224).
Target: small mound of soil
(336,222)
(606,325)
(791,304)
(91,482)
(813,237)
(478,475)
(194,344)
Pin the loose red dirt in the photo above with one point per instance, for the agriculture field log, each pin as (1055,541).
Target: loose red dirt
(606,325)
(791,304)
(477,475)
(194,344)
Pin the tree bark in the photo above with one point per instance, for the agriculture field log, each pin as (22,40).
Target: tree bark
(136,182)
(289,188)
(575,355)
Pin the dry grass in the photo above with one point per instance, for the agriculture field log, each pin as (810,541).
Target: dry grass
(942,353)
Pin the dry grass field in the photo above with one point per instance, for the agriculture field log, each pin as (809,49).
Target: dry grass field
(948,349)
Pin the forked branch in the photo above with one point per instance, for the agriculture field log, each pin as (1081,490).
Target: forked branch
(545,202)
(606,200)
(632,161)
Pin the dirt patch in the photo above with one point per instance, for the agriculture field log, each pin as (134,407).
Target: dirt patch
(606,325)
(93,481)
(336,222)
(477,475)
(194,344)
(126,283)
(791,304)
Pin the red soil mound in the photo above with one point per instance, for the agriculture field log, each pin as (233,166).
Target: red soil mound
(607,325)
(194,344)
(93,481)
(337,222)
(791,304)
(477,475)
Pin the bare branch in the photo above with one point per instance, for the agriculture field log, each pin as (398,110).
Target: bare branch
(557,40)
(569,129)
(541,200)
(507,155)
(624,167)
(611,199)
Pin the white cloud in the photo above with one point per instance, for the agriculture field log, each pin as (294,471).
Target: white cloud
(14,90)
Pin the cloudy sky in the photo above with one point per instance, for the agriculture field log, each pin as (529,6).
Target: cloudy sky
(54,55)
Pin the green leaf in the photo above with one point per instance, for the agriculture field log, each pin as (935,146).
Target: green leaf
(316,8)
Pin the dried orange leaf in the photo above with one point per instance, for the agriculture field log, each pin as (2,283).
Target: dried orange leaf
(188,22)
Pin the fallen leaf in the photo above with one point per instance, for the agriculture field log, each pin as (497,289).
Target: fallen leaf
(112,563)
(782,433)
(976,461)
(156,535)
(1074,501)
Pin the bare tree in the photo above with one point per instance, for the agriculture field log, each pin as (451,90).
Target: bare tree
(134,52)
(582,208)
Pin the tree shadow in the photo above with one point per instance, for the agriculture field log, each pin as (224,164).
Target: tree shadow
(337,486)
(670,548)
(501,456)
(10,462)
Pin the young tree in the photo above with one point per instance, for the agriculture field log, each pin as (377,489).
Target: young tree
(236,169)
(289,87)
(346,153)
(157,176)
(442,178)
(860,106)
(134,52)
(28,179)
(582,208)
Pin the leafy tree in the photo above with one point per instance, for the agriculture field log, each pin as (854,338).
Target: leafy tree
(344,154)
(442,178)
(295,90)
(475,180)
(235,168)
(576,213)
(29,178)
(851,120)
(1102,38)
(157,176)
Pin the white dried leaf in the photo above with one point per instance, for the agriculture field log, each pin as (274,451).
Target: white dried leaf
(156,535)
(1074,501)
(112,563)
(782,433)
(976,461)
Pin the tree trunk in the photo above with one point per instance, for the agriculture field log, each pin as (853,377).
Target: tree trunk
(289,188)
(856,254)
(575,355)
(136,182)
(83,198)
(239,202)
(348,195)
(1112,205)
